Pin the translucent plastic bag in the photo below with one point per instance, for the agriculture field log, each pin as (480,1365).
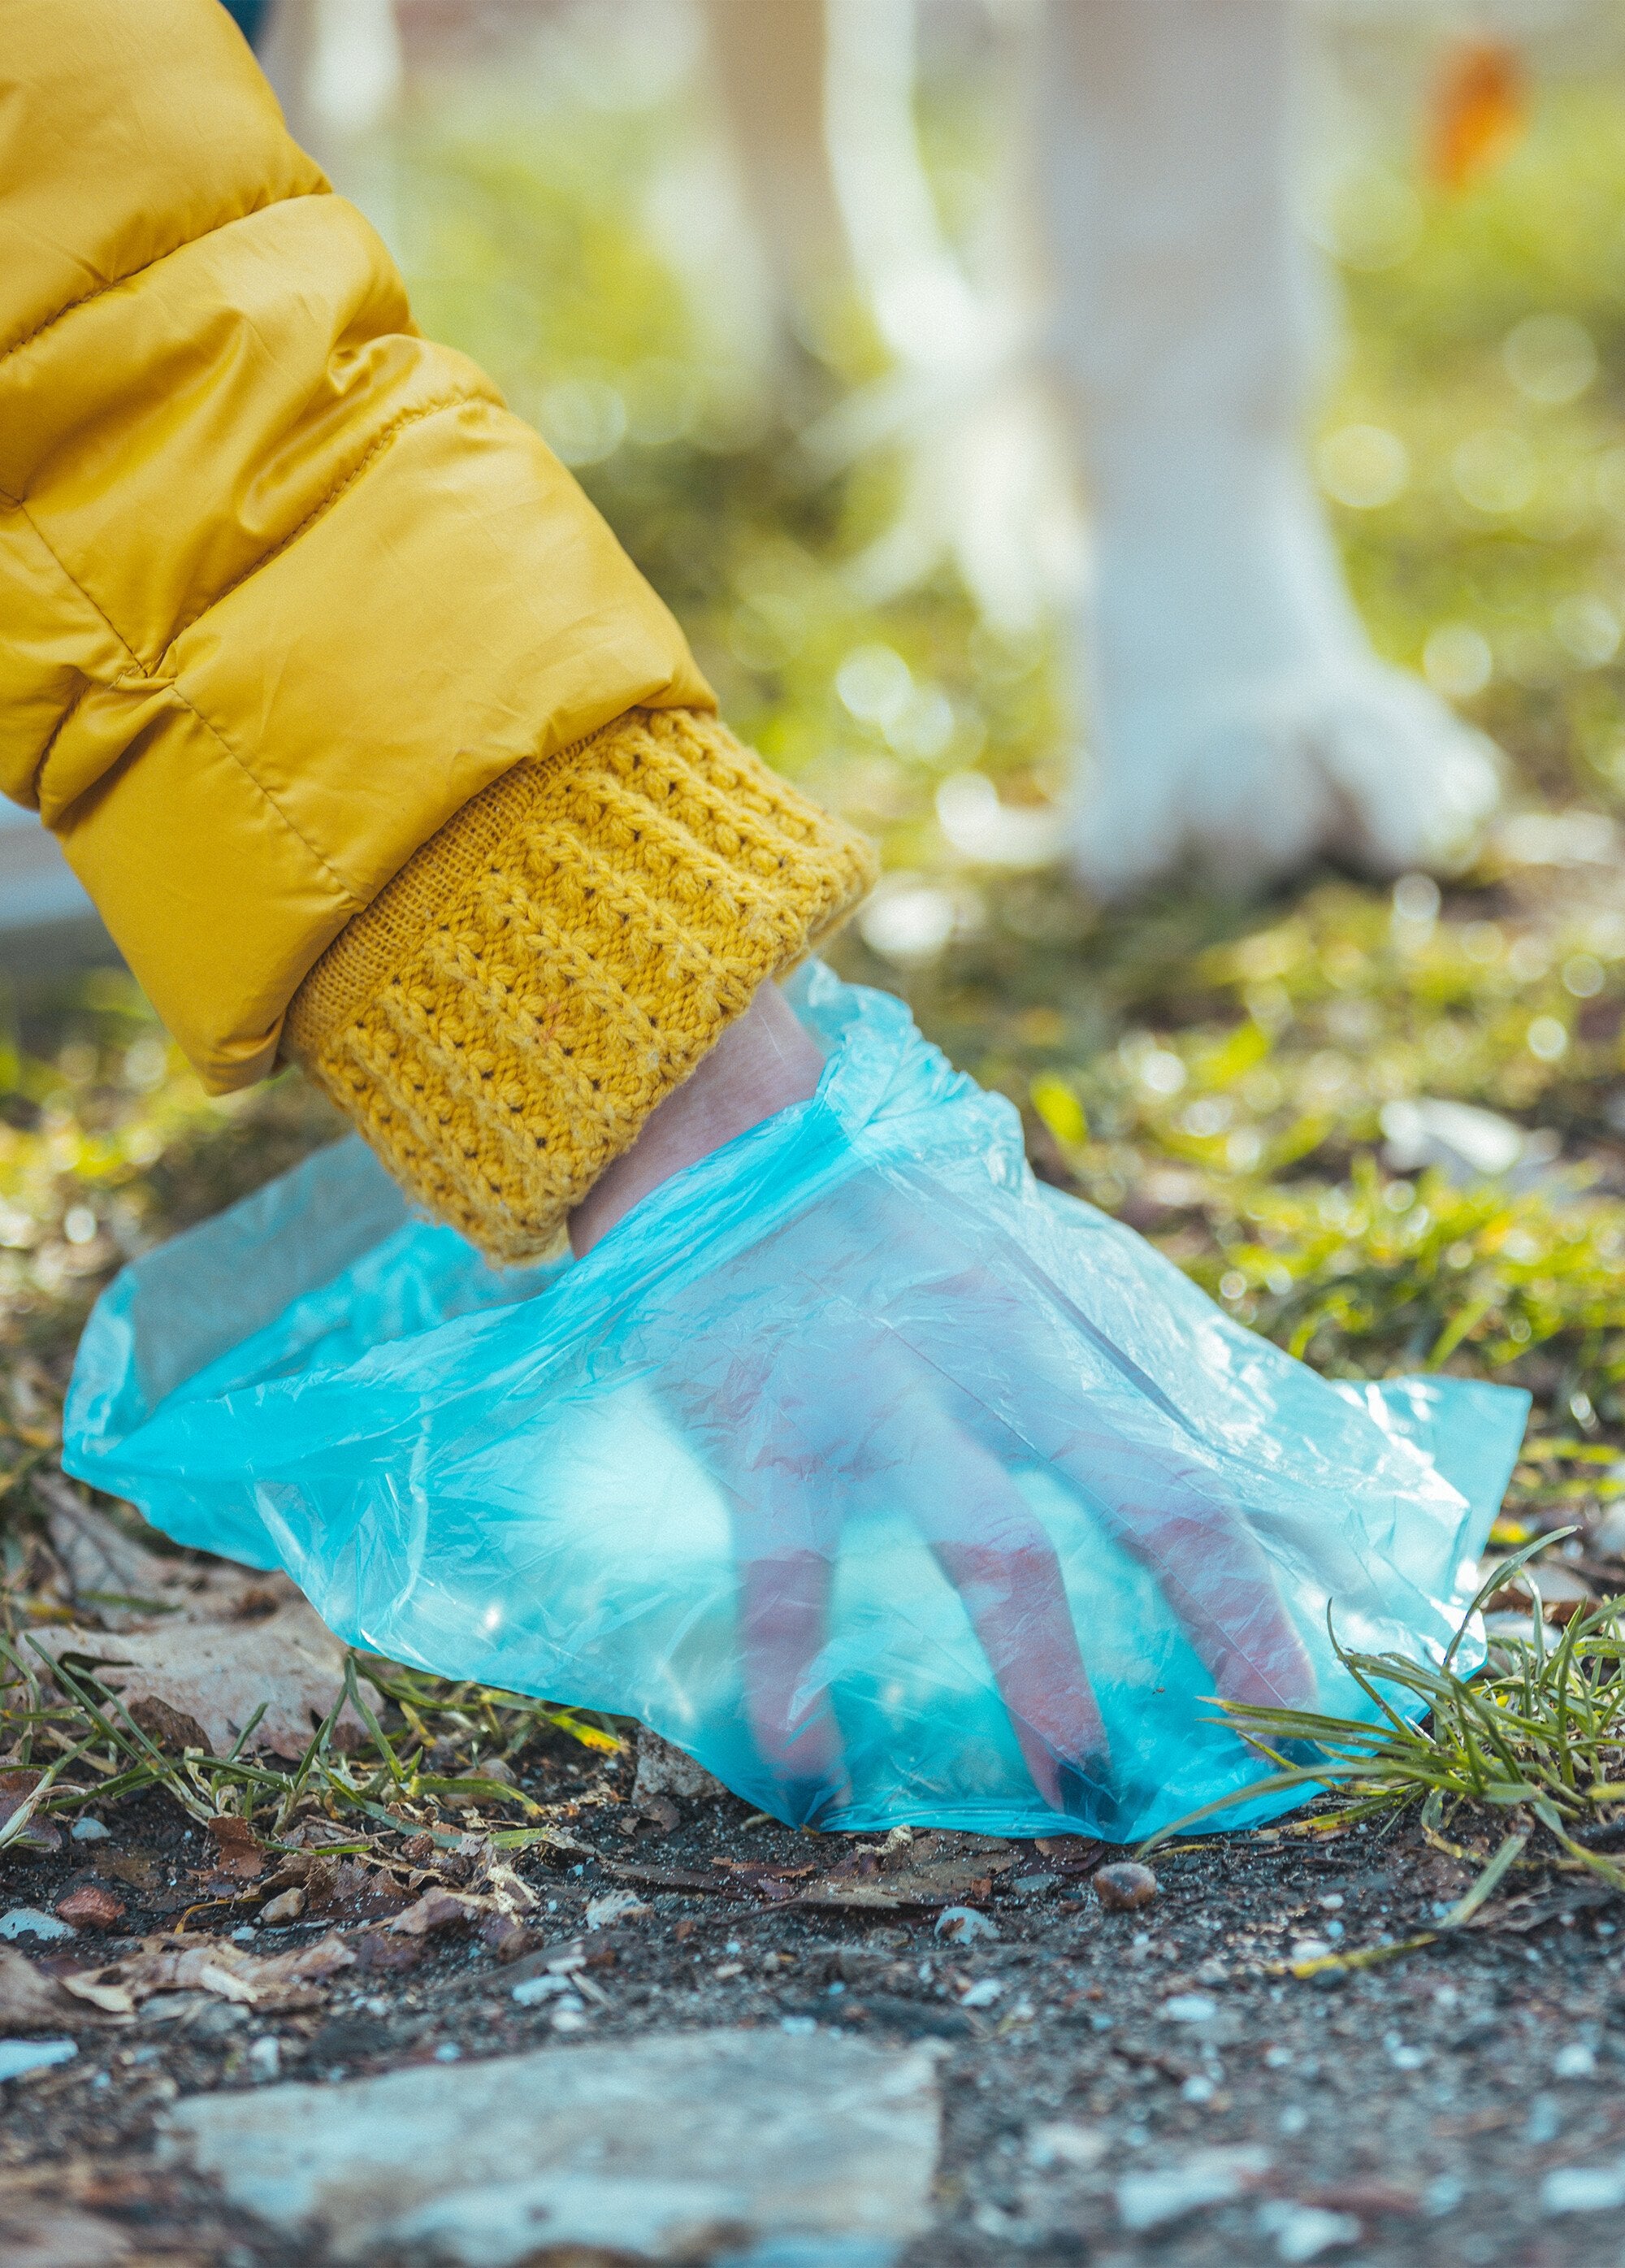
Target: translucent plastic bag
(892,1485)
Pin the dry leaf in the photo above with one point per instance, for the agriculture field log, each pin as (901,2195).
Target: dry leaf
(242,1854)
(112,2000)
(439,1910)
(30,2001)
(506,1936)
(193,1644)
(376,1950)
(36,1834)
(506,1890)
(178,1964)
(129,1585)
(213,1979)
(218,1673)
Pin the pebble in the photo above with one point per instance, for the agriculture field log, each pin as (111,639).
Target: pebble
(19,2056)
(1123,1888)
(666,1770)
(1544,2123)
(1190,2008)
(963,1925)
(90,1830)
(821,2149)
(1167,2193)
(264,2057)
(530,1991)
(28,1921)
(615,1906)
(1062,2142)
(982,1994)
(91,1906)
(1575,2061)
(1583,2189)
(1303,2232)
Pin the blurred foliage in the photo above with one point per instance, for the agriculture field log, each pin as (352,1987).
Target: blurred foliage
(1216,1072)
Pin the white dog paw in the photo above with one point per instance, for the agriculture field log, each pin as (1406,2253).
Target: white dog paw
(1360,762)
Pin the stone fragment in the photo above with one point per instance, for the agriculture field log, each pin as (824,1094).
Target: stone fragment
(1583,2189)
(18,2057)
(86,1829)
(663,1769)
(531,1992)
(287,1905)
(1304,2232)
(1167,2193)
(91,1905)
(1063,2142)
(28,1921)
(1190,2008)
(963,1925)
(1122,1888)
(669,2148)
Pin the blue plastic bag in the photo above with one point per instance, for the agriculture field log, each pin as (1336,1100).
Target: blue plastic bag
(892,1485)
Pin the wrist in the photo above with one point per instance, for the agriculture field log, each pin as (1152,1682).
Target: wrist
(763,1063)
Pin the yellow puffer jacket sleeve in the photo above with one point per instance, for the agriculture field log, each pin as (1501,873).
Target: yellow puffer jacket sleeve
(284,588)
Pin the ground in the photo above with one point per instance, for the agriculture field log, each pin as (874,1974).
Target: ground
(1231,1079)
(1422,2098)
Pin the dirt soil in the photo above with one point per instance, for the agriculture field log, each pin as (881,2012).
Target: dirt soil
(1417,2100)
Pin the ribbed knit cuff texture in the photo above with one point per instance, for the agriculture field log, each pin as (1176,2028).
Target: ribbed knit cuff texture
(506,1014)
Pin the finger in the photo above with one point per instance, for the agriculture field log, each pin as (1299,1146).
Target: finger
(993,1551)
(1014,1593)
(1212,1573)
(1160,1501)
(752,1410)
(783,1621)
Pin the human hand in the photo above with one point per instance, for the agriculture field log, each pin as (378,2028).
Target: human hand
(914,1379)
(763,1062)
(914,1382)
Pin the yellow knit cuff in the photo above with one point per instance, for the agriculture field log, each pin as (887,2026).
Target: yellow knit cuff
(506,1014)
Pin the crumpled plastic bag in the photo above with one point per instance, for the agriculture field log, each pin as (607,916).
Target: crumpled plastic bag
(892,1485)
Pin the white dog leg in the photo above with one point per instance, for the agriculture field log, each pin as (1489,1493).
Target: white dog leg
(1237,713)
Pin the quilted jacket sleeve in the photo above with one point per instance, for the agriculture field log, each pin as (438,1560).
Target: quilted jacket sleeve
(283,584)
